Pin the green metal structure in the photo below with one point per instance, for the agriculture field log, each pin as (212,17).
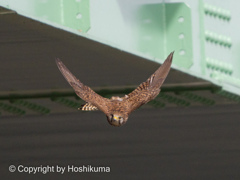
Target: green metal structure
(204,35)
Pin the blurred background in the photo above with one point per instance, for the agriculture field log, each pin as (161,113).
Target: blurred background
(191,130)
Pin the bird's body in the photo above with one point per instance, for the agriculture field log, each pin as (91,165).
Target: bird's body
(117,109)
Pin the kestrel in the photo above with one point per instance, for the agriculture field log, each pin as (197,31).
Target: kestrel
(117,109)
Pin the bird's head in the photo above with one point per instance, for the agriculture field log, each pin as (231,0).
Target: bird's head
(117,119)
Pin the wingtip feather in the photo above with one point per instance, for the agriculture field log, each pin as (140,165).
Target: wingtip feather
(170,56)
(59,63)
(57,60)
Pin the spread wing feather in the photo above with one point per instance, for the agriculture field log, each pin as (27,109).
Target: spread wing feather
(149,89)
(83,91)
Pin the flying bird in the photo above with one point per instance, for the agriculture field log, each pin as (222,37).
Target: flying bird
(117,109)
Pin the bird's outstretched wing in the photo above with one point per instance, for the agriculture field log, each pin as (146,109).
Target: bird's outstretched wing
(83,91)
(149,89)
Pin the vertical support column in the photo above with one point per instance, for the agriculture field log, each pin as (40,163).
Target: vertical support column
(178,33)
(202,37)
(164,28)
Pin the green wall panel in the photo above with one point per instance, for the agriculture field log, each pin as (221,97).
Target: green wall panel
(204,34)
(164,28)
(179,33)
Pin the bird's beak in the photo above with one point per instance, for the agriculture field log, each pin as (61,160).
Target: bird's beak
(115,118)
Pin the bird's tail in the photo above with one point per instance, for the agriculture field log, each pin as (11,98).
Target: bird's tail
(88,107)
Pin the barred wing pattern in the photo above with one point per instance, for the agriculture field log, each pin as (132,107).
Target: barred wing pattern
(149,89)
(83,91)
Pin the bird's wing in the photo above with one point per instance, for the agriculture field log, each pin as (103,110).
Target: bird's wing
(83,91)
(149,89)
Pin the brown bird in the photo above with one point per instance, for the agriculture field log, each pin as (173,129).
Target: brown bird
(117,109)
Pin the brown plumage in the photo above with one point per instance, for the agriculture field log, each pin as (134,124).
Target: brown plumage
(117,109)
